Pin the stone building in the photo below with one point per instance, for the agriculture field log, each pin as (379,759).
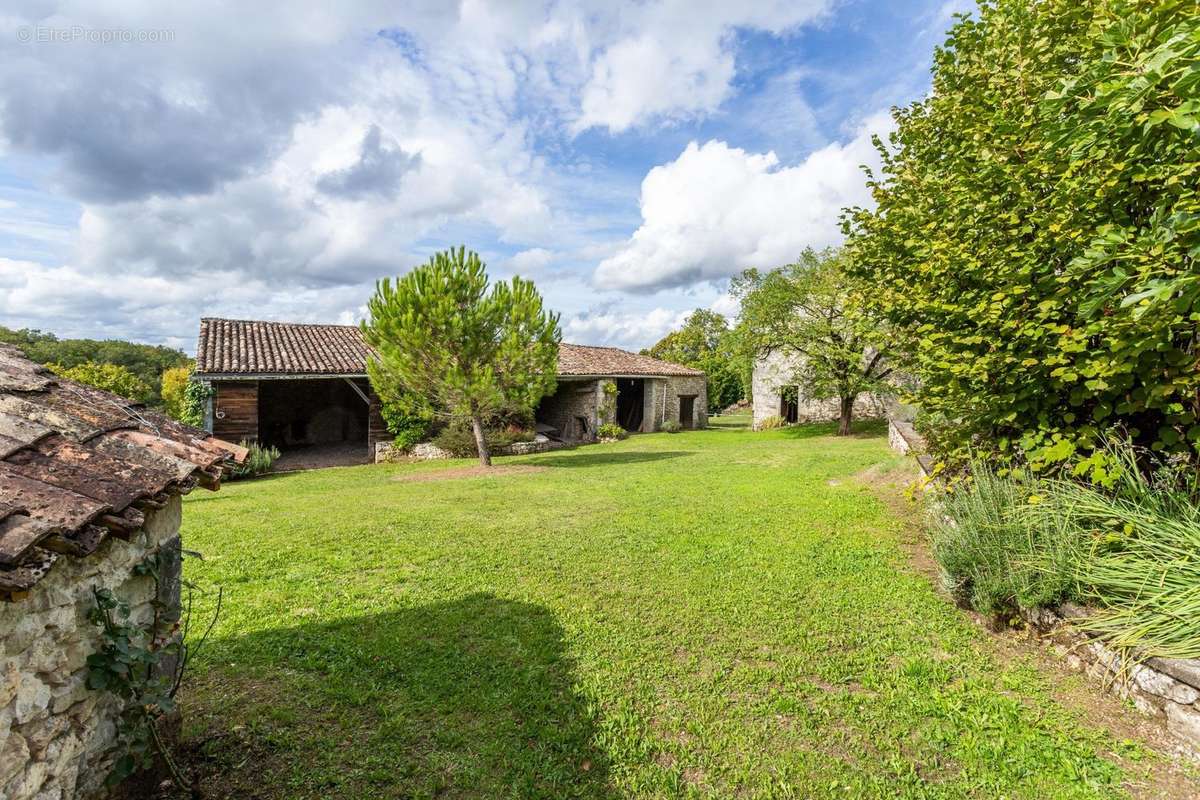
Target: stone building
(89,488)
(642,394)
(776,393)
(305,386)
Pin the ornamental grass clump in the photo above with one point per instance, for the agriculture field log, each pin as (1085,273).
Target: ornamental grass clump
(1139,561)
(771,423)
(993,556)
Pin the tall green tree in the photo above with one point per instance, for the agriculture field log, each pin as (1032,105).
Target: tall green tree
(703,342)
(699,336)
(109,377)
(812,309)
(1036,230)
(145,361)
(446,345)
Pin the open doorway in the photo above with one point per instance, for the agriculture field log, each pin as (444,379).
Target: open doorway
(687,411)
(631,396)
(313,421)
(789,404)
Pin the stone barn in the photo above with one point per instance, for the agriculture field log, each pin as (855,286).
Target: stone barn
(775,392)
(89,490)
(303,387)
(648,392)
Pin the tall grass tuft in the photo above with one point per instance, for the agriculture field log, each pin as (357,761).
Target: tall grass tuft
(771,423)
(1139,560)
(993,556)
(258,461)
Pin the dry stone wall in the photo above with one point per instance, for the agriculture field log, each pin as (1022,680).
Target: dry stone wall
(56,735)
(1166,688)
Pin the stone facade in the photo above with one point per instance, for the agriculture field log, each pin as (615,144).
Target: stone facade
(56,735)
(776,370)
(679,386)
(1168,689)
(579,407)
(573,409)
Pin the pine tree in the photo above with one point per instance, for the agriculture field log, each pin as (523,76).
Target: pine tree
(445,345)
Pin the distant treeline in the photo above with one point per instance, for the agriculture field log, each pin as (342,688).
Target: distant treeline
(145,361)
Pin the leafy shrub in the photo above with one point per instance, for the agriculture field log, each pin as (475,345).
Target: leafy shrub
(1128,549)
(109,377)
(195,397)
(611,430)
(671,426)
(258,461)
(174,383)
(771,423)
(458,438)
(1035,250)
(183,398)
(408,428)
(995,557)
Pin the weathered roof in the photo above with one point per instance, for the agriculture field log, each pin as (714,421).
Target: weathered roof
(246,348)
(578,359)
(78,465)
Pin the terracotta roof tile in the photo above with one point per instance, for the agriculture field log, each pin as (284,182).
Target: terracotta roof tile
(233,346)
(75,464)
(246,347)
(578,359)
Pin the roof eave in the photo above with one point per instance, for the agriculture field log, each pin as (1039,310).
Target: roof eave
(272,376)
(625,376)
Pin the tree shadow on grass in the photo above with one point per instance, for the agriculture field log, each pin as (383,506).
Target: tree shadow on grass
(472,698)
(860,429)
(585,459)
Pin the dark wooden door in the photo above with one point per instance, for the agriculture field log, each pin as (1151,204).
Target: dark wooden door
(687,409)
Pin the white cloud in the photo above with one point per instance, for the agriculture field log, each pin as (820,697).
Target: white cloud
(626,329)
(275,165)
(532,261)
(717,210)
(675,59)
(80,302)
(727,306)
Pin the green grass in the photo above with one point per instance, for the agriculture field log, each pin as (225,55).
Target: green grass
(716,614)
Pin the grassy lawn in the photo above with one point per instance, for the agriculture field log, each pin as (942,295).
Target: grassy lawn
(710,614)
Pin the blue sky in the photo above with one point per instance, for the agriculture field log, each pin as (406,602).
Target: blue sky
(263,163)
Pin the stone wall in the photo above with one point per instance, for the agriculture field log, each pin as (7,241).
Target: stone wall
(1166,688)
(570,401)
(903,437)
(776,370)
(654,399)
(386,452)
(56,735)
(678,386)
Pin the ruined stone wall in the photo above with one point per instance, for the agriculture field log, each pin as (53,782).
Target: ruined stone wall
(56,735)
(776,370)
